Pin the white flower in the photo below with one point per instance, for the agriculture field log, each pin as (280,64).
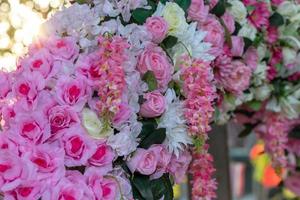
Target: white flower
(289,55)
(174,122)
(287,9)
(94,126)
(261,93)
(260,74)
(238,10)
(261,51)
(248,31)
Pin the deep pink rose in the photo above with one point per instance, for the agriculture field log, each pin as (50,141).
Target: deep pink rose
(7,144)
(154,59)
(27,190)
(198,11)
(72,92)
(5,84)
(234,77)
(78,147)
(251,58)
(103,188)
(237,46)
(158,27)
(179,165)
(154,105)
(144,161)
(102,157)
(164,158)
(123,114)
(63,48)
(228,20)
(61,117)
(293,183)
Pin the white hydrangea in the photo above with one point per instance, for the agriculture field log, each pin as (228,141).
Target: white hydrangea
(174,122)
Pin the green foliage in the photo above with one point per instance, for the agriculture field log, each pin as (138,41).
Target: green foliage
(141,14)
(184,4)
(150,79)
(220,8)
(255,105)
(169,42)
(276,20)
(155,137)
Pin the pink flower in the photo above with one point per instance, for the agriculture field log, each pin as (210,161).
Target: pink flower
(251,58)
(30,128)
(272,34)
(123,114)
(237,46)
(5,84)
(234,77)
(102,157)
(259,17)
(178,166)
(73,92)
(154,105)
(249,2)
(164,158)
(294,146)
(158,27)
(293,183)
(7,144)
(198,11)
(271,72)
(103,188)
(78,147)
(215,34)
(63,48)
(61,117)
(154,59)
(276,2)
(8,114)
(229,22)
(144,161)
(28,190)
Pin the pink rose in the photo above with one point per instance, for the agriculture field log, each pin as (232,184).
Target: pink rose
(293,183)
(102,157)
(234,77)
(5,84)
(237,46)
(33,128)
(123,114)
(215,34)
(251,58)
(154,105)
(164,158)
(8,114)
(198,11)
(7,144)
(103,188)
(154,59)
(61,117)
(63,48)
(158,27)
(73,92)
(228,20)
(28,190)
(179,165)
(144,161)
(78,147)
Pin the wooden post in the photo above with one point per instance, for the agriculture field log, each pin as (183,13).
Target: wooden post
(219,150)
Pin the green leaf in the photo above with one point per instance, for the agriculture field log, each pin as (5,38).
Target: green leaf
(276,20)
(247,42)
(169,42)
(255,105)
(162,187)
(219,9)
(295,133)
(184,4)
(248,129)
(141,184)
(148,127)
(141,14)
(150,79)
(81,1)
(156,137)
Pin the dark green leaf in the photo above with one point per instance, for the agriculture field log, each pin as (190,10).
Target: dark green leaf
(156,137)
(169,42)
(295,133)
(247,42)
(276,20)
(163,1)
(142,186)
(248,129)
(162,187)
(150,79)
(219,9)
(255,105)
(184,4)
(81,1)
(148,127)
(140,15)
(237,28)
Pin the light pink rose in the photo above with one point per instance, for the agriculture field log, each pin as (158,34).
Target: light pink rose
(158,27)
(154,59)
(238,44)
(293,183)
(28,190)
(61,117)
(144,161)
(5,84)
(30,128)
(164,158)
(154,105)
(72,92)
(63,48)
(102,157)
(103,188)
(251,58)
(198,11)
(7,144)
(228,20)
(78,147)
(234,77)
(8,114)
(179,166)
(123,114)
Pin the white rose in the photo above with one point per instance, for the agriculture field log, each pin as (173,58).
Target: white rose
(175,17)
(248,31)
(287,9)
(289,55)
(261,51)
(94,126)
(238,10)
(263,92)
(260,74)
